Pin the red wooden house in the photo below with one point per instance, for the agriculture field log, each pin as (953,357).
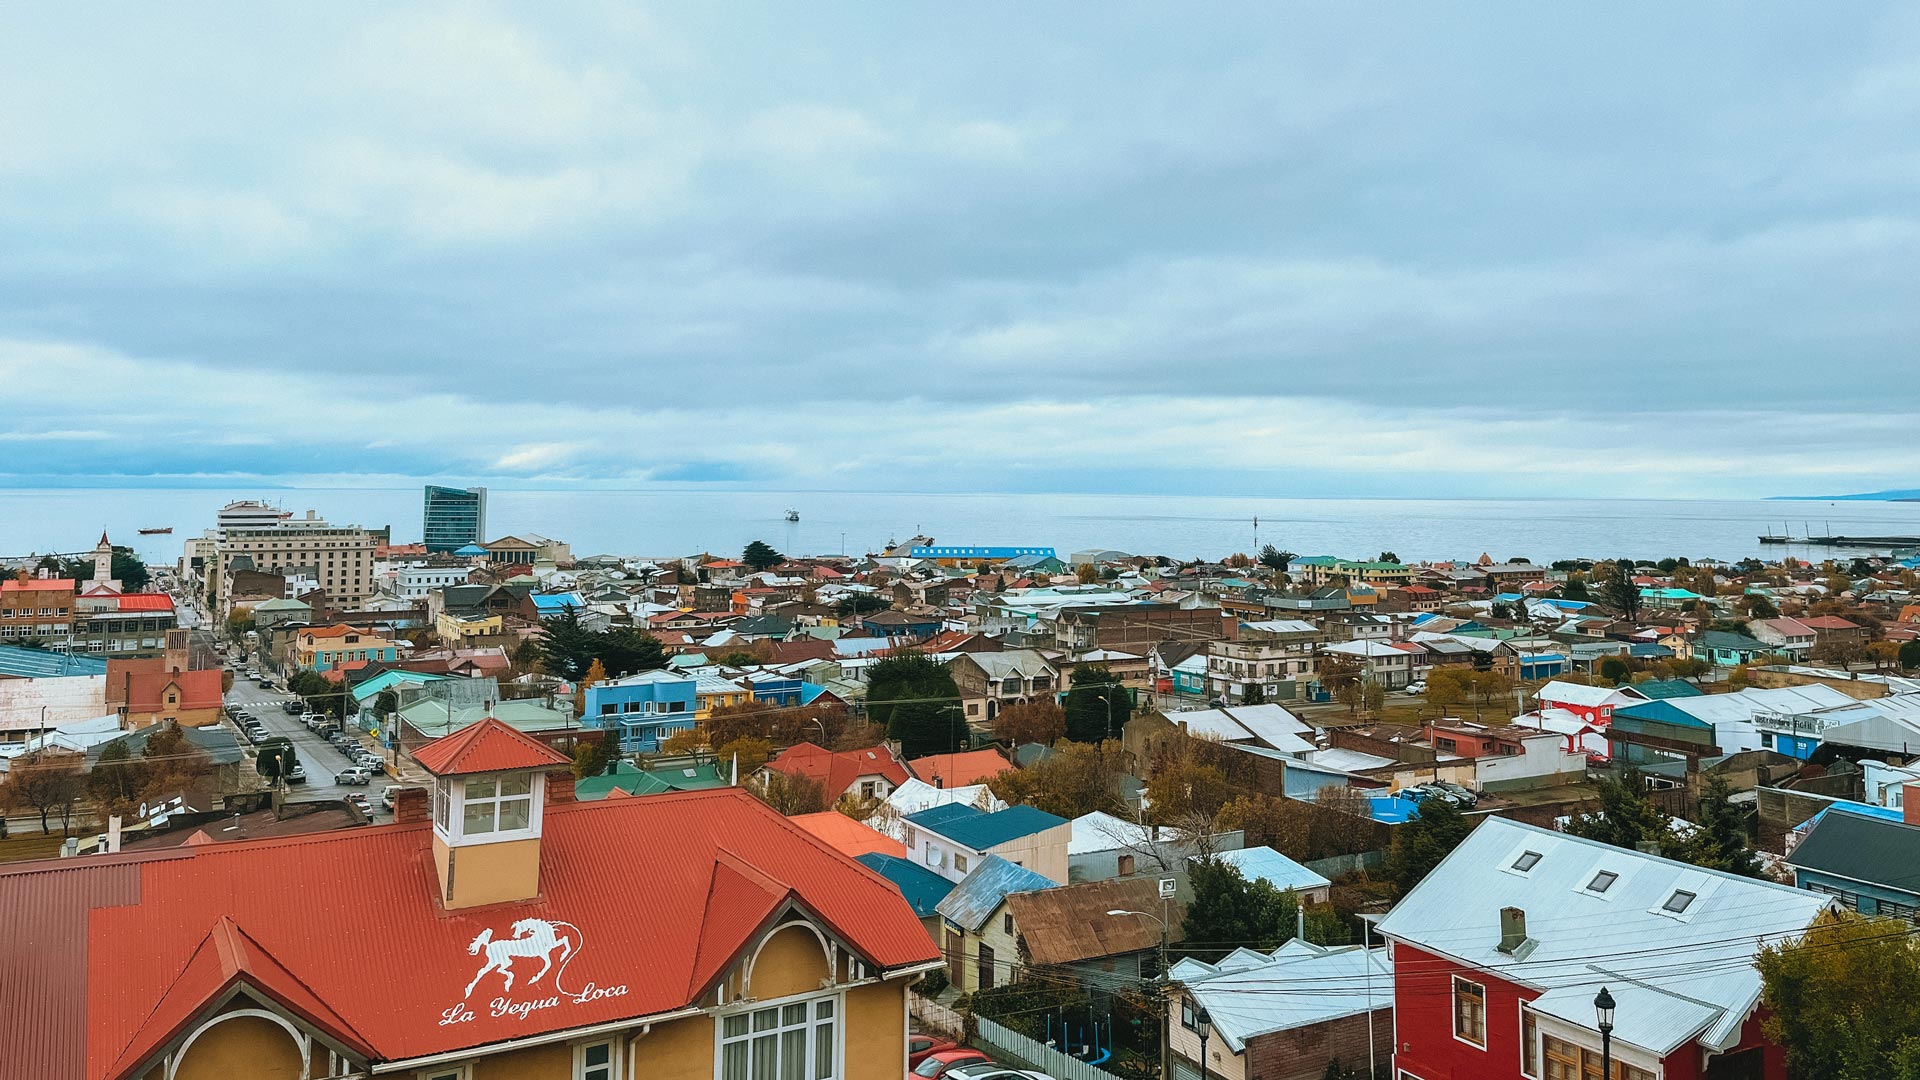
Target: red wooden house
(1499,954)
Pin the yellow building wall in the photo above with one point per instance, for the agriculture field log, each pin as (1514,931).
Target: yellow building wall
(678,1050)
(876,1032)
(534,1063)
(248,1046)
(489,873)
(789,963)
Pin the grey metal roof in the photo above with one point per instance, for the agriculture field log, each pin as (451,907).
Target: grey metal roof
(1246,993)
(1585,940)
(1862,848)
(975,899)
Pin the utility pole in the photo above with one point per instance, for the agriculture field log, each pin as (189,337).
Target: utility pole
(1165,989)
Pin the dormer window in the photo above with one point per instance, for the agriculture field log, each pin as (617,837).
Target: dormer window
(1679,902)
(1527,861)
(1602,881)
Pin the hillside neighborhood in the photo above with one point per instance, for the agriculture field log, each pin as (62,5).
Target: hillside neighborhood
(1098,815)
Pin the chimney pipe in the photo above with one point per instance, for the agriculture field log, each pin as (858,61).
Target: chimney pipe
(1513,929)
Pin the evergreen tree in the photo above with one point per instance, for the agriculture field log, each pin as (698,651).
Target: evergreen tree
(1626,818)
(761,556)
(1719,839)
(1420,844)
(1228,911)
(1617,589)
(1097,705)
(1576,589)
(914,698)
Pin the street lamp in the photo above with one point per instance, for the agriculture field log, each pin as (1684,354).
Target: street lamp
(1603,1008)
(1201,1020)
(1166,1005)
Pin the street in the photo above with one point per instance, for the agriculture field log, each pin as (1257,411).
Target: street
(317,756)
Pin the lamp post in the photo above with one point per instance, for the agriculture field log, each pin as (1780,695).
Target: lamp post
(1603,1008)
(1166,1006)
(1201,1020)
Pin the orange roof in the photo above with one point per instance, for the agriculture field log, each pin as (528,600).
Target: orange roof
(960,770)
(37,585)
(116,951)
(336,630)
(146,601)
(488,746)
(836,772)
(847,836)
(141,684)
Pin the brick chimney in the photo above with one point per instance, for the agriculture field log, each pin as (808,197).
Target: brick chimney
(1910,803)
(560,786)
(410,804)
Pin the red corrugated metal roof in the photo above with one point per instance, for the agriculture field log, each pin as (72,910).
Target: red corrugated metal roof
(37,585)
(146,601)
(108,942)
(960,770)
(836,772)
(488,746)
(225,957)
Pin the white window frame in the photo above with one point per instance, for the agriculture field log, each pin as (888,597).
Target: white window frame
(612,1066)
(447,1072)
(1539,1066)
(1453,1012)
(453,831)
(778,1006)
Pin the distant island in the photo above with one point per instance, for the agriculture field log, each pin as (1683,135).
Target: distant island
(1899,495)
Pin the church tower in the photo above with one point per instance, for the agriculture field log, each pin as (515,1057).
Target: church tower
(103,565)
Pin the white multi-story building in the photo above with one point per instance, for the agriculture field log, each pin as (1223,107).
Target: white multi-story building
(340,557)
(417,582)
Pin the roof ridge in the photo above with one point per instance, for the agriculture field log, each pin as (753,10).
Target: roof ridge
(1675,863)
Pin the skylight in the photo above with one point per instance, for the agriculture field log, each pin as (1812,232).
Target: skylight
(1602,881)
(1527,861)
(1678,902)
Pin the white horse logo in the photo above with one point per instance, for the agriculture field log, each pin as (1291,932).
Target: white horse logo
(531,937)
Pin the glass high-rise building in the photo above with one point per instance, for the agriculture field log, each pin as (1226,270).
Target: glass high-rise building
(454,517)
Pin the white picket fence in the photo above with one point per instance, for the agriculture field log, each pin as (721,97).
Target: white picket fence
(1036,1054)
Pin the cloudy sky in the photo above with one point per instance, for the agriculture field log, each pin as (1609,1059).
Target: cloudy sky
(1302,249)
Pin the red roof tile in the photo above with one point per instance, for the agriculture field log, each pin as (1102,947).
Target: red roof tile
(103,953)
(488,746)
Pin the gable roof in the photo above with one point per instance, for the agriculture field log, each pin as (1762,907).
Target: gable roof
(1298,985)
(1070,924)
(1621,937)
(837,772)
(961,769)
(1587,697)
(974,829)
(488,746)
(980,894)
(1268,865)
(100,944)
(1865,849)
(847,836)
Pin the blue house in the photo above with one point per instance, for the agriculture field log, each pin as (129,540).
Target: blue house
(644,709)
(1864,860)
(777,689)
(1542,665)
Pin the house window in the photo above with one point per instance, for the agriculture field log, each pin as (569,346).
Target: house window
(1470,1012)
(796,1041)
(498,803)
(1006,923)
(1527,861)
(1186,1016)
(593,1061)
(442,800)
(959,863)
(1602,881)
(1125,868)
(1529,1043)
(1566,1061)
(458,1072)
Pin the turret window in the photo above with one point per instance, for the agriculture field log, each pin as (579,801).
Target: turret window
(497,804)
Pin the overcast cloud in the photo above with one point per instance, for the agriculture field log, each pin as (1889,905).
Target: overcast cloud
(1315,250)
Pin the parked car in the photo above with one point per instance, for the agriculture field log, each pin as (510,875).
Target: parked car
(389,795)
(298,775)
(1418,686)
(294,708)
(987,1070)
(357,777)
(1460,795)
(920,1044)
(359,799)
(939,1063)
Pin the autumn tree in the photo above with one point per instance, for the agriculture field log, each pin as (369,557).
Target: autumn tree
(750,719)
(174,763)
(45,782)
(748,754)
(1340,675)
(118,780)
(1828,1002)
(1076,779)
(790,795)
(1449,687)
(1183,788)
(1043,722)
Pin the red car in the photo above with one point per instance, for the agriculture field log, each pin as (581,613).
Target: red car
(936,1064)
(920,1044)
